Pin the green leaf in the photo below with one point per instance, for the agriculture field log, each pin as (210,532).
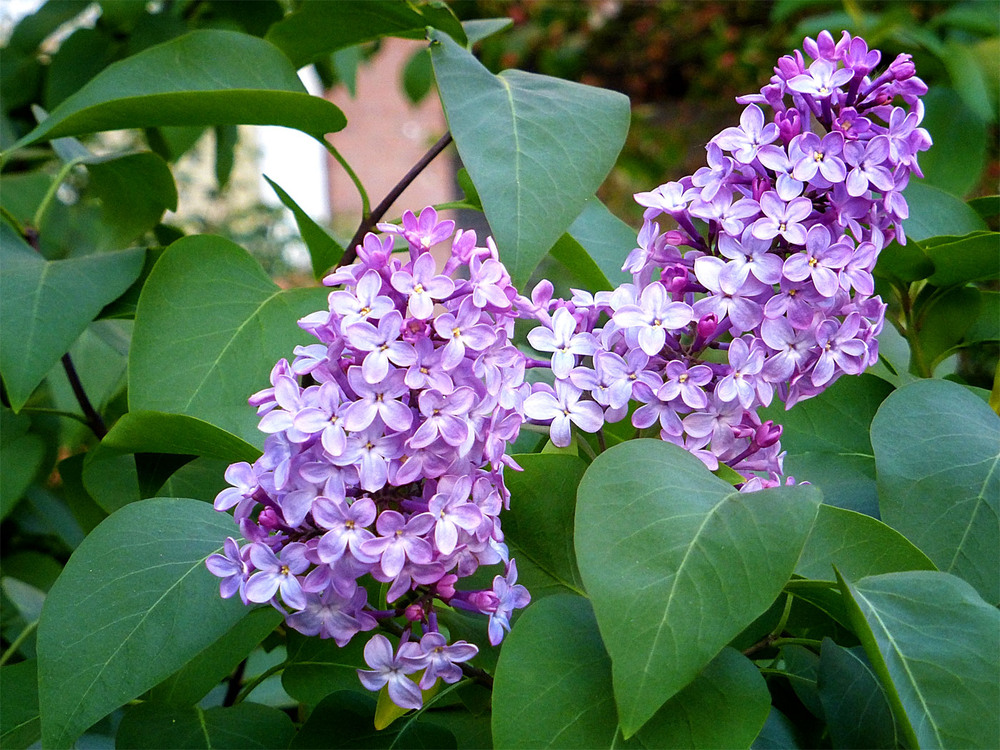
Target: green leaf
(352,714)
(226,139)
(418,76)
(150,607)
(779,733)
(975,257)
(156,432)
(934,212)
(857,545)
(956,162)
(826,439)
(555,691)
(594,247)
(33,29)
(969,80)
(553,680)
(135,191)
(904,263)
(20,725)
(324,251)
(49,304)
(209,327)
(241,727)
(726,705)
(543,498)
(206,77)
(855,706)
(478,29)
(21,455)
(935,646)
(987,207)
(936,453)
(318,667)
(702,561)
(318,28)
(536,147)
(944,319)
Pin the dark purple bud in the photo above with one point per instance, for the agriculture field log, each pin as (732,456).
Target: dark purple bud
(414,613)
(767,434)
(707,326)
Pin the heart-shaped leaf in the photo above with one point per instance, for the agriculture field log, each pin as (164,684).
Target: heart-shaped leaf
(209,327)
(49,304)
(536,147)
(537,526)
(855,705)
(150,606)
(677,563)
(937,453)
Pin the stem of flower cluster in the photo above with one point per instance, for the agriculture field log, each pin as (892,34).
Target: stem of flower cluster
(370,219)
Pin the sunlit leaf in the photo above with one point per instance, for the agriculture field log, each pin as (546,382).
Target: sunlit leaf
(536,147)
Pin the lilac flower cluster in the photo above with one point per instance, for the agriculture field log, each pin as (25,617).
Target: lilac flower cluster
(385,456)
(764,285)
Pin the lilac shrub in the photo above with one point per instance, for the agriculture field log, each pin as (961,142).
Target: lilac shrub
(387,439)
(385,457)
(764,285)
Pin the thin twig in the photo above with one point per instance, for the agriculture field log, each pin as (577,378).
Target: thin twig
(235,682)
(94,420)
(369,221)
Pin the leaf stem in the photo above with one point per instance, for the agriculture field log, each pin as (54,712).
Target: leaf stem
(365,203)
(369,220)
(50,194)
(256,681)
(93,419)
(810,642)
(56,412)
(21,638)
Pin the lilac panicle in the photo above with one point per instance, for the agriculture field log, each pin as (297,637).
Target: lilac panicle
(774,296)
(385,455)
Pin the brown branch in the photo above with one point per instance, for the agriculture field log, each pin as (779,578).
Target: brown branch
(368,222)
(94,420)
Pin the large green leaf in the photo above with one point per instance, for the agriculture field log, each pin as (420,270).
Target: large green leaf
(934,212)
(46,305)
(324,251)
(133,605)
(318,28)
(937,453)
(209,326)
(855,705)
(826,439)
(537,526)
(935,646)
(677,563)
(555,691)
(206,77)
(857,545)
(242,727)
(536,147)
